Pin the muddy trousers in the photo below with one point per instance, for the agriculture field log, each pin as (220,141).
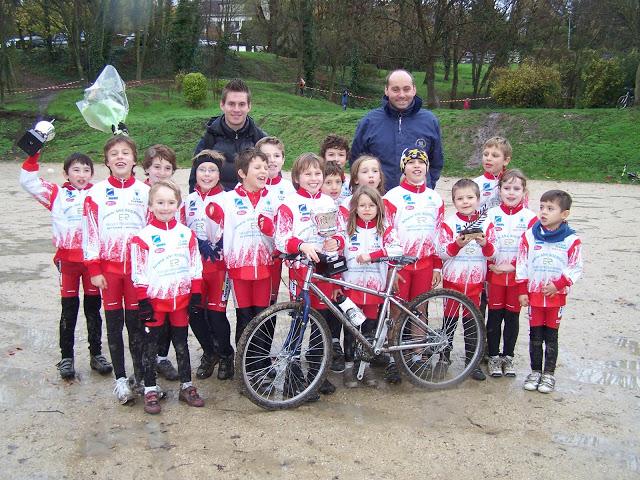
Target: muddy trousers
(244,316)
(69,318)
(221,331)
(116,319)
(179,338)
(509,335)
(164,338)
(471,333)
(548,336)
(263,337)
(200,328)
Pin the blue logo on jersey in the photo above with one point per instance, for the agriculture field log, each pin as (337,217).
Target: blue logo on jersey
(110,192)
(192,205)
(71,193)
(157,241)
(458,228)
(407,198)
(302,208)
(240,204)
(354,238)
(486,186)
(499,220)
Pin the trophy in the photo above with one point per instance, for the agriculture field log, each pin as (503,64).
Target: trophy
(326,222)
(472,229)
(32,141)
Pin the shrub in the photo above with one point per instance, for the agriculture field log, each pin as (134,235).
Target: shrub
(526,86)
(178,81)
(603,82)
(195,89)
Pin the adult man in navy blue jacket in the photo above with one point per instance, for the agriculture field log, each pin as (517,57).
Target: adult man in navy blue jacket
(400,123)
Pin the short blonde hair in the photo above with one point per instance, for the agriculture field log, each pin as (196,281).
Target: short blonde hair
(501,143)
(170,184)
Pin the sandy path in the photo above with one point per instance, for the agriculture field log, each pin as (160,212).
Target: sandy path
(588,427)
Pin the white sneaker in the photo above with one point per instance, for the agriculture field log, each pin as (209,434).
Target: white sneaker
(495,366)
(532,381)
(508,369)
(547,383)
(123,391)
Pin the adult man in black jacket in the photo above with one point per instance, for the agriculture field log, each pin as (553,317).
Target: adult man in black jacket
(231,132)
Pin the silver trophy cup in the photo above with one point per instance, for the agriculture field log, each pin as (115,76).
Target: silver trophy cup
(326,222)
(32,141)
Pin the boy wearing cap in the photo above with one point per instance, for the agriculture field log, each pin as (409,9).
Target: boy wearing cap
(417,213)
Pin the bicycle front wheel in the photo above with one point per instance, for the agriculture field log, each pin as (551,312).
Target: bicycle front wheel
(622,102)
(442,342)
(280,361)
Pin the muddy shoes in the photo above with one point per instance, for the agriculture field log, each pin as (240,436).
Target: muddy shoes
(207,364)
(166,369)
(65,366)
(151,404)
(226,368)
(100,364)
(190,396)
(123,391)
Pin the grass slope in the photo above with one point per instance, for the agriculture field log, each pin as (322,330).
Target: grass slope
(583,145)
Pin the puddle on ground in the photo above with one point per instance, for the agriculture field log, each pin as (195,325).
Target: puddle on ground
(45,341)
(599,377)
(632,345)
(103,443)
(625,452)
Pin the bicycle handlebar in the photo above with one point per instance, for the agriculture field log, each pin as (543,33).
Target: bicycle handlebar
(403,260)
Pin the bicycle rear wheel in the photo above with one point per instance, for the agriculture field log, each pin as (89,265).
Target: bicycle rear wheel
(450,330)
(279,365)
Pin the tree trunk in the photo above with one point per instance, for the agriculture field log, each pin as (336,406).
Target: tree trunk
(430,80)
(332,83)
(637,90)
(454,82)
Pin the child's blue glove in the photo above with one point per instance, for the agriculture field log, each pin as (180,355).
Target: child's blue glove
(208,252)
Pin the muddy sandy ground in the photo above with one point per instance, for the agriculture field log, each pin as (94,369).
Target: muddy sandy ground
(588,428)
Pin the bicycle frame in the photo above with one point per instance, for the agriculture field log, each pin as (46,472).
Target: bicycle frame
(383,323)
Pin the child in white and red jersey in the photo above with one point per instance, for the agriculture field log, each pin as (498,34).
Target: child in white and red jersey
(65,204)
(496,155)
(549,262)
(243,218)
(366,237)
(510,221)
(333,179)
(160,163)
(335,148)
(417,213)
(114,211)
(273,148)
(297,233)
(464,257)
(167,274)
(213,325)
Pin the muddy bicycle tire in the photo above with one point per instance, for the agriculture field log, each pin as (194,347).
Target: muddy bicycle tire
(457,339)
(270,372)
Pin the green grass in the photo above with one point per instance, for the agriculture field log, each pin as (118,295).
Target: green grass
(583,145)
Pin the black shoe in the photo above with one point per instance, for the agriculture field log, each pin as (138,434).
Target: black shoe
(392,375)
(66,368)
(226,368)
(207,364)
(337,364)
(327,388)
(168,371)
(478,374)
(100,364)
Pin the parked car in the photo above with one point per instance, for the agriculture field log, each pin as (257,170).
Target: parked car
(203,42)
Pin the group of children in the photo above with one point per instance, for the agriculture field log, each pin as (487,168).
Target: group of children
(163,263)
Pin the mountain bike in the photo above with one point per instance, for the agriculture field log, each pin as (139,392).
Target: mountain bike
(626,100)
(633,176)
(283,355)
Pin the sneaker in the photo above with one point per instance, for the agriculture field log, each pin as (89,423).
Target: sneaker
(440,370)
(100,364)
(337,365)
(327,388)
(207,364)
(191,397)
(136,386)
(532,381)
(66,368)
(166,369)
(547,383)
(495,366)
(508,368)
(392,375)
(478,374)
(123,391)
(349,379)
(369,378)
(226,368)
(151,404)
